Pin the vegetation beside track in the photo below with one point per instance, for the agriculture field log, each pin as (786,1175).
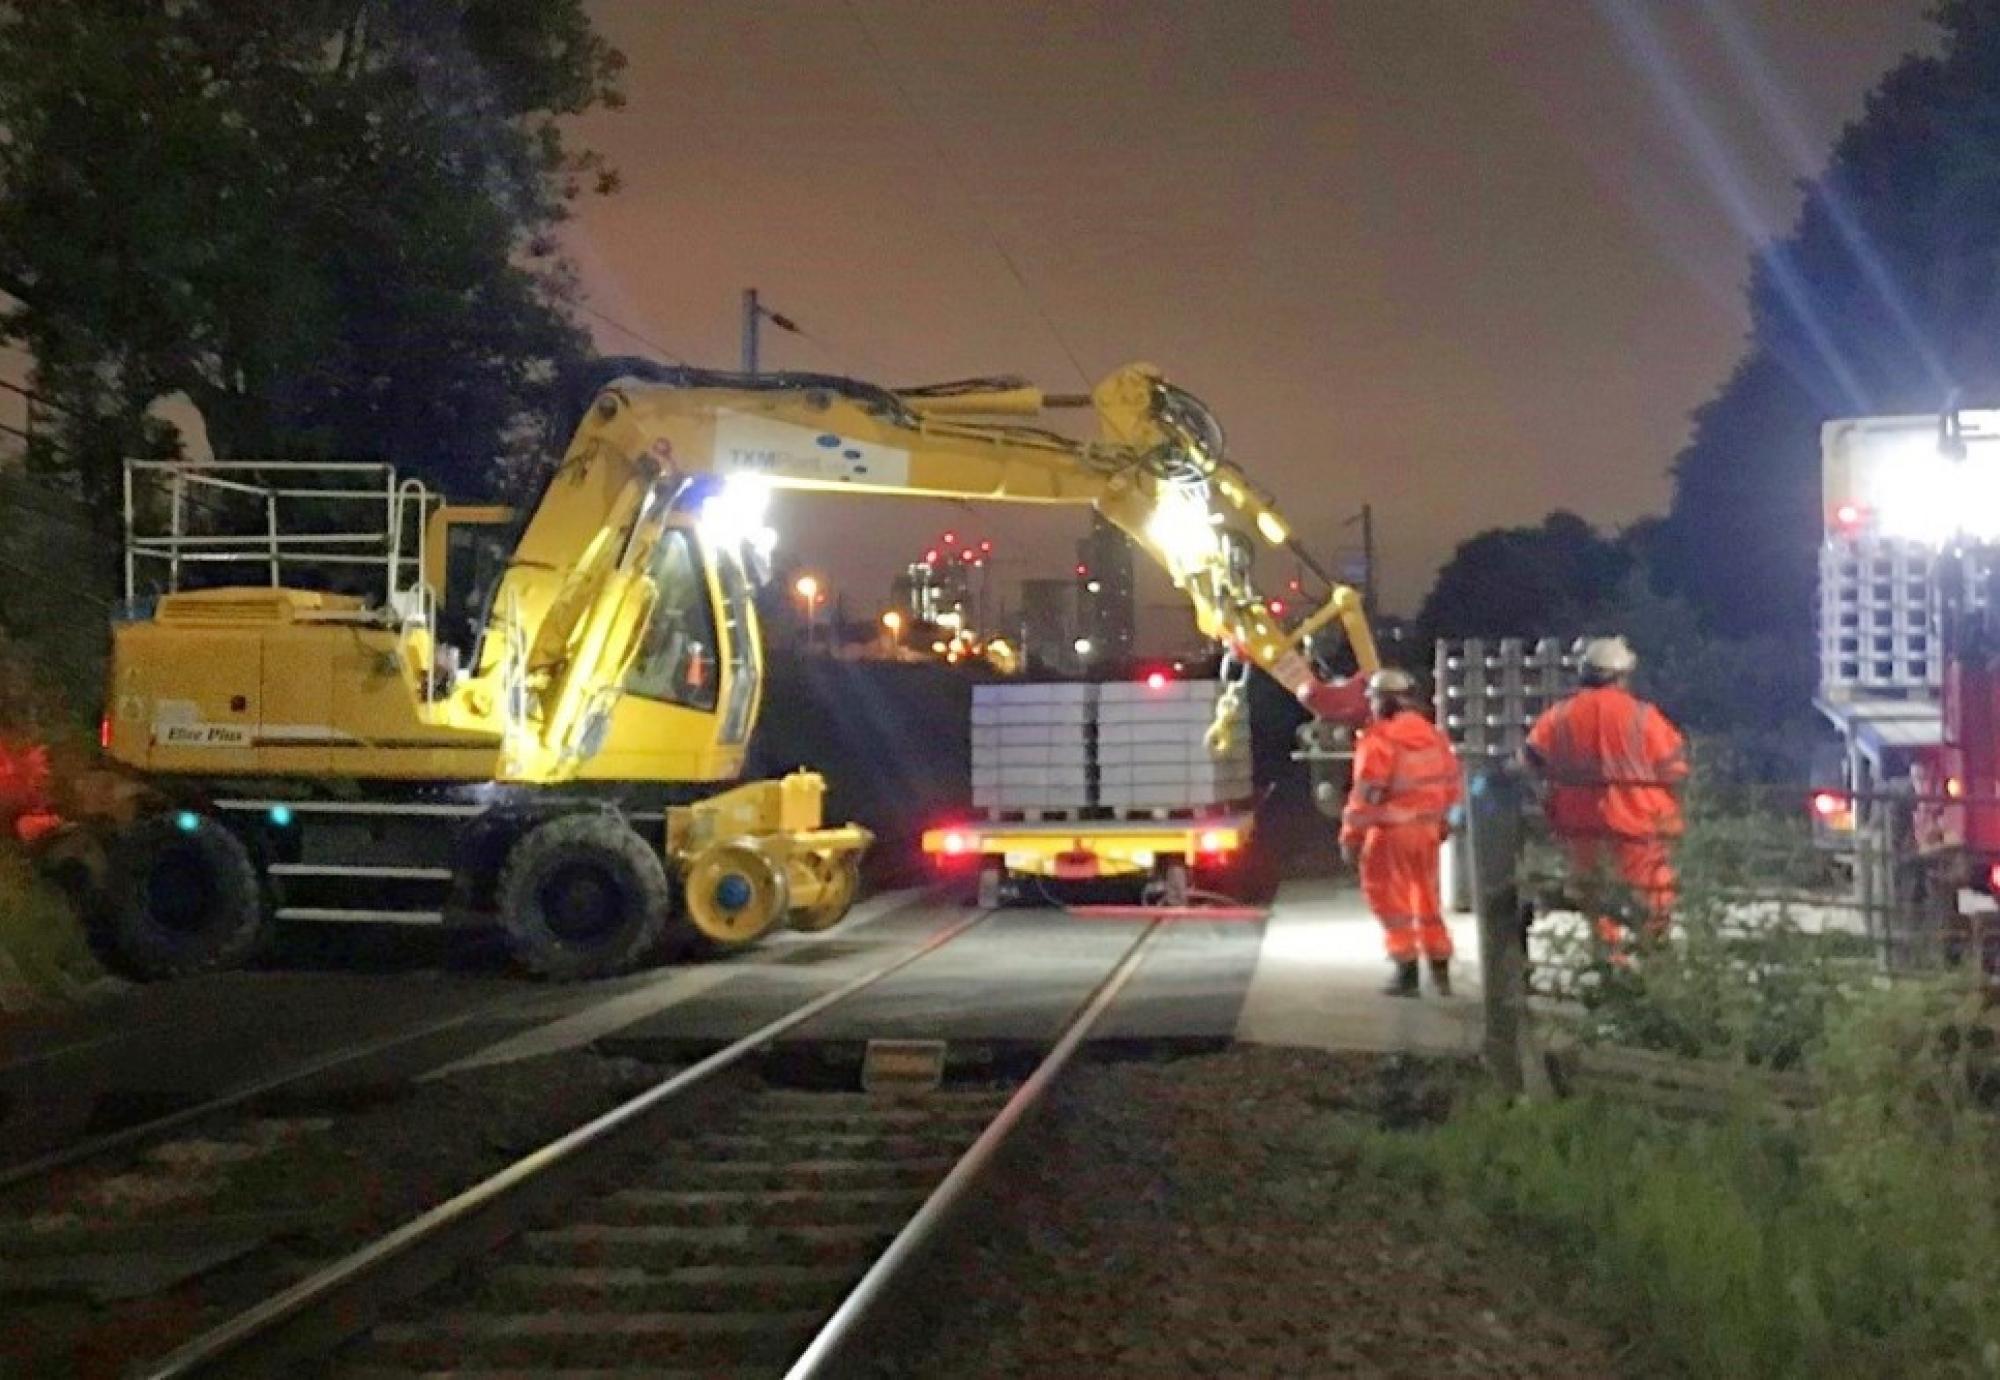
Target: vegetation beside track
(1731,1235)
(44,958)
(1857,1239)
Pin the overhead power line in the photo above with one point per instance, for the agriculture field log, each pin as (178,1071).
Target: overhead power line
(672,356)
(941,159)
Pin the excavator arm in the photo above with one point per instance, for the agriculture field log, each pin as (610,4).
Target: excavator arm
(575,596)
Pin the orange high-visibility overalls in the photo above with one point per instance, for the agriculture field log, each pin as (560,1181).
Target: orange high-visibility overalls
(1613,764)
(1406,779)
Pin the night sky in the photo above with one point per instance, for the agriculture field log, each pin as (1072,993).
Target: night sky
(1468,260)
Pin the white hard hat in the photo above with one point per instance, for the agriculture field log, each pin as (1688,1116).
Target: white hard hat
(1609,656)
(1390,681)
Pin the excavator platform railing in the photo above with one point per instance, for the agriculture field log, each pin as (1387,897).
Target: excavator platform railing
(353,526)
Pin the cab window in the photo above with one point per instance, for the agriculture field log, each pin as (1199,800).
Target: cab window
(738,610)
(677,661)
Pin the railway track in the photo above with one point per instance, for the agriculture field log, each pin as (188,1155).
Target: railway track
(762,1242)
(127,1138)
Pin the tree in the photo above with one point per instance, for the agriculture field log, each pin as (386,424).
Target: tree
(328,222)
(1523,581)
(1885,297)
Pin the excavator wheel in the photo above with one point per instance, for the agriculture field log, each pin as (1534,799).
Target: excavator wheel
(842,873)
(582,896)
(181,897)
(734,895)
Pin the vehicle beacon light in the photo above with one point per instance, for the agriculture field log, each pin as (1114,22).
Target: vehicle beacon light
(1835,809)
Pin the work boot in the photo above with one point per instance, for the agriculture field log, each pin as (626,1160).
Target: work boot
(1441,976)
(1404,984)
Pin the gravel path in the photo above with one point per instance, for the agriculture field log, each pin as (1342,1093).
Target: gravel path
(1207,1217)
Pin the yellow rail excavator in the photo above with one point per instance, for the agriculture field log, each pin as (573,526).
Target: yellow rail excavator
(539,719)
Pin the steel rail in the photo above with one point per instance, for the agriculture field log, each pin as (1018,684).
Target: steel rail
(331,1305)
(838,1335)
(92,1148)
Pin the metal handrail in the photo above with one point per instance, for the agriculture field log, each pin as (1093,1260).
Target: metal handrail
(264,539)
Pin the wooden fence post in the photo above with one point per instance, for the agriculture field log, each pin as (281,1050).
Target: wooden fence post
(1494,834)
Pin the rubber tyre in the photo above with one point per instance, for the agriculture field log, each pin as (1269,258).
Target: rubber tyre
(582,896)
(179,901)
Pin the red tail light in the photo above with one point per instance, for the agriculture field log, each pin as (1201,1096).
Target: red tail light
(1827,804)
(1156,680)
(956,843)
(104,733)
(1993,879)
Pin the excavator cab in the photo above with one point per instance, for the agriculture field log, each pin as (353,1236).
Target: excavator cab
(688,699)
(466,549)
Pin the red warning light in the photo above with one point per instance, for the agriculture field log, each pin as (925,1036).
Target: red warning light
(931,556)
(1156,680)
(1993,879)
(955,843)
(1295,586)
(1082,569)
(1212,842)
(986,546)
(968,554)
(951,539)
(1849,516)
(104,733)
(1827,804)
(1277,607)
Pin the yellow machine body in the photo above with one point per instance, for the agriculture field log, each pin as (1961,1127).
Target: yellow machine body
(620,642)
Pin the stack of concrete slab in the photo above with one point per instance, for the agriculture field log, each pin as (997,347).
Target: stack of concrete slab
(1151,749)
(1032,747)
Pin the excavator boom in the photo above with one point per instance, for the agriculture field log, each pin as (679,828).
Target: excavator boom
(686,440)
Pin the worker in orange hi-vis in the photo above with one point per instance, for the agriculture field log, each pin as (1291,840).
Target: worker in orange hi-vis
(1406,780)
(1613,765)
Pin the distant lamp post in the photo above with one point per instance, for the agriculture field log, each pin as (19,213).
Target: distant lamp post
(807,587)
(1083,647)
(892,629)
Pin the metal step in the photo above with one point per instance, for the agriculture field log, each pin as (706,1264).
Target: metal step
(342,915)
(392,874)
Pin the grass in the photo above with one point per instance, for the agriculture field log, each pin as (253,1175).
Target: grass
(1733,1248)
(1860,1238)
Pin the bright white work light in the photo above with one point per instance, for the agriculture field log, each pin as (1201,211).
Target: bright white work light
(735,514)
(1179,526)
